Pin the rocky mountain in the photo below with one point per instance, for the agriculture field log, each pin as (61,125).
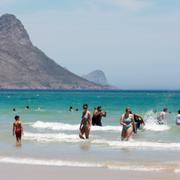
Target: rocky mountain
(96,76)
(24,66)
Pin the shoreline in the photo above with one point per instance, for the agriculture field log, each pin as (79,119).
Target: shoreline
(29,172)
(91,90)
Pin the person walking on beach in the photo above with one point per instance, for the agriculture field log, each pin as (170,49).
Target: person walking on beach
(162,116)
(97,116)
(86,122)
(127,121)
(178,118)
(17,129)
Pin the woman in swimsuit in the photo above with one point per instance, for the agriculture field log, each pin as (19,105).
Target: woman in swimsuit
(126,121)
(86,122)
(17,129)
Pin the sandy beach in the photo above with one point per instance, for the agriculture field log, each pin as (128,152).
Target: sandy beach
(24,172)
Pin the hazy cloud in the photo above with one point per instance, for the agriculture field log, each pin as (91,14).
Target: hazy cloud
(132,4)
(126,4)
(5,2)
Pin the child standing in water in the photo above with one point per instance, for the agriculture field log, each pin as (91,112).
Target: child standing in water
(86,122)
(17,129)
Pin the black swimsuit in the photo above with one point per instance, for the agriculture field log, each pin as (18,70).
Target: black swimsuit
(96,120)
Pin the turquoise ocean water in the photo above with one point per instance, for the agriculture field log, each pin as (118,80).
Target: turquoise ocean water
(51,131)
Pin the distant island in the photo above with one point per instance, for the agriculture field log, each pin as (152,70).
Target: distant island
(24,66)
(97,76)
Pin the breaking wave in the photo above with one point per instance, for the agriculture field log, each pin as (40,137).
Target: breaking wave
(62,163)
(69,127)
(73,138)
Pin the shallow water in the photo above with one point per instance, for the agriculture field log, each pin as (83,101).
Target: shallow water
(51,131)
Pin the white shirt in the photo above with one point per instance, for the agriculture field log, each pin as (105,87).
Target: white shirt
(178,119)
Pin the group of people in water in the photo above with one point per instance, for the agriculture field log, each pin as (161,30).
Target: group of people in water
(130,122)
(88,120)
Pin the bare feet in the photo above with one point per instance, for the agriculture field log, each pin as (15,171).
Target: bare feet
(81,136)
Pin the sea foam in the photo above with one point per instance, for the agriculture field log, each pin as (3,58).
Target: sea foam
(62,163)
(73,138)
(145,145)
(57,126)
(151,123)
(51,137)
(156,127)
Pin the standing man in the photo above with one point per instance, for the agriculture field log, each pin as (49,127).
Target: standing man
(97,116)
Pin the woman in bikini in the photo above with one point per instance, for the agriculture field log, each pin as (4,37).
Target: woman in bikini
(126,121)
(17,129)
(86,122)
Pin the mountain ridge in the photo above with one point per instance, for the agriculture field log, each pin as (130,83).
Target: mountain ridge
(24,66)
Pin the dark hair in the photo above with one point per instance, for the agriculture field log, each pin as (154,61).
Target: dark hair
(165,109)
(99,108)
(128,109)
(85,106)
(179,111)
(16,117)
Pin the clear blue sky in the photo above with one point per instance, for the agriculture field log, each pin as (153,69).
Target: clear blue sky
(135,42)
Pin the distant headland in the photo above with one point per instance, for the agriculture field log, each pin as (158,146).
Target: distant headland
(24,66)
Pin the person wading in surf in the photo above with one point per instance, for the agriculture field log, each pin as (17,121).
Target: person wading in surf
(17,129)
(86,123)
(126,121)
(97,116)
(162,115)
(178,118)
(138,122)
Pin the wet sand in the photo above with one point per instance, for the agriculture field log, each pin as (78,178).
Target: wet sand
(29,172)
